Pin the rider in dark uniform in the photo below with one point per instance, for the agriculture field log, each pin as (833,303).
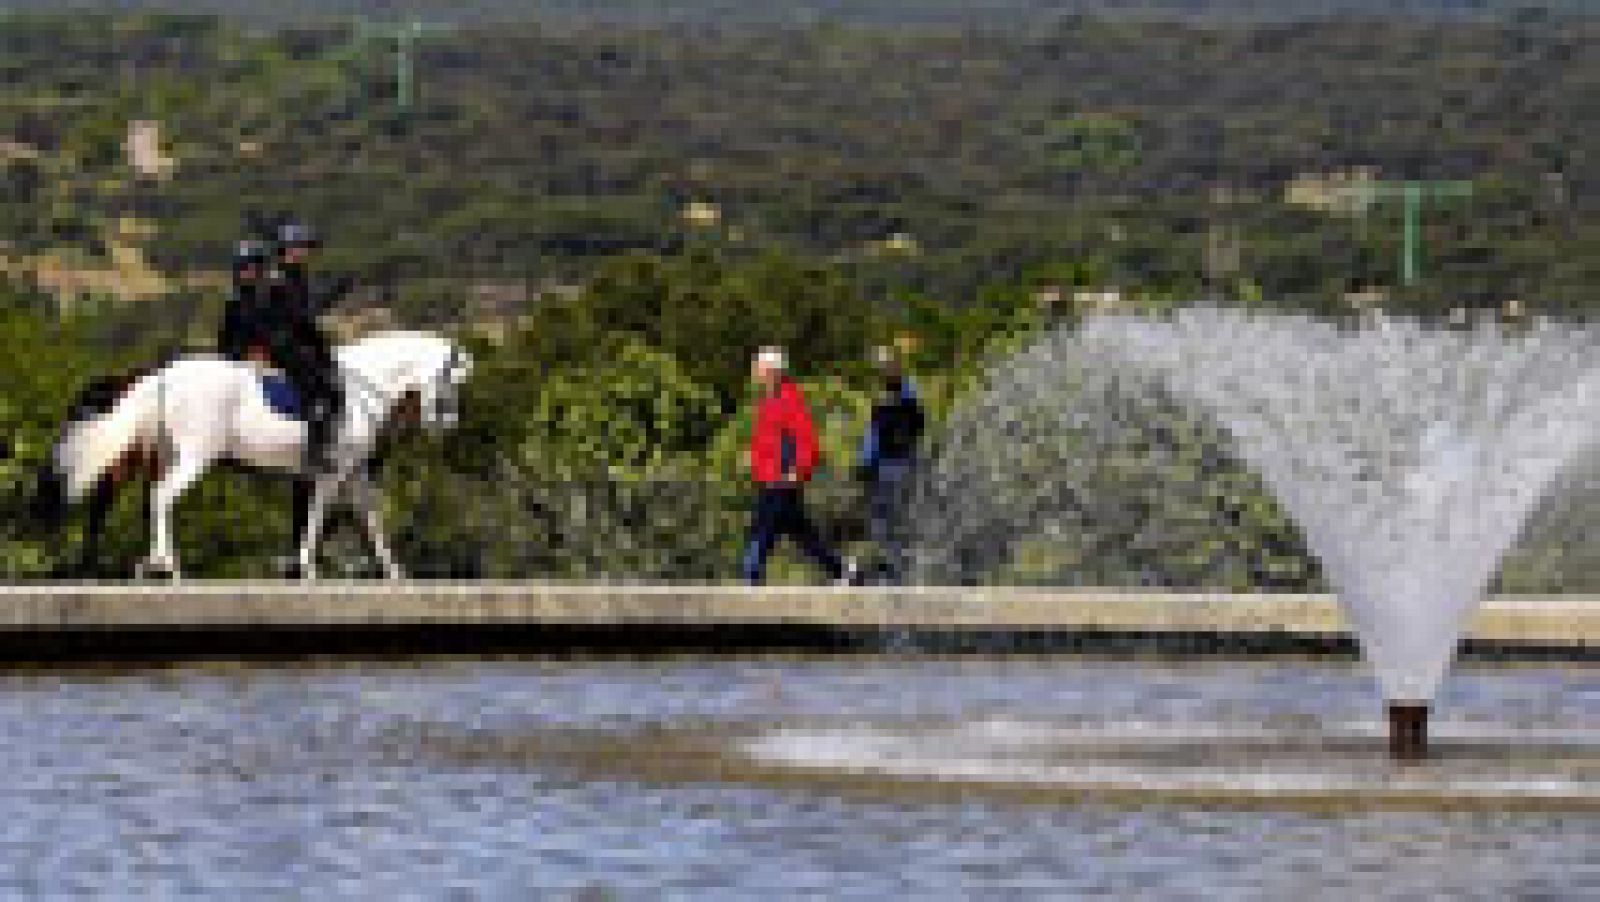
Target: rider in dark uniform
(300,346)
(272,318)
(246,321)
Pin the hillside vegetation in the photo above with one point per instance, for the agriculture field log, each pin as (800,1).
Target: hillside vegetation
(535,151)
(870,12)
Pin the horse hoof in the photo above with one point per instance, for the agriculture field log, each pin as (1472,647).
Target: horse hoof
(155,570)
(64,573)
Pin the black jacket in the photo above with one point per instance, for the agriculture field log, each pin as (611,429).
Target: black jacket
(898,423)
(307,298)
(279,315)
(248,321)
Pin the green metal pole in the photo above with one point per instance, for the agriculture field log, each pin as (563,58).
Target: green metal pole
(1408,263)
(403,64)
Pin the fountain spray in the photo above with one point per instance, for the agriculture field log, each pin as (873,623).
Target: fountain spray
(1409,458)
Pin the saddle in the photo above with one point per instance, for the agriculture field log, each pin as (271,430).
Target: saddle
(281,395)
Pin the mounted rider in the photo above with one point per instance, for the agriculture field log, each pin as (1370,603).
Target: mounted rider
(308,357)
(246,321)
(272,318)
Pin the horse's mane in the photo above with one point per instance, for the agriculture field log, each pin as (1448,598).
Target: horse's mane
(393,345)
(389,335)
(393,337)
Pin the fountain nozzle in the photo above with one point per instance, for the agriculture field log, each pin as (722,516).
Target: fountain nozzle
(1408,732)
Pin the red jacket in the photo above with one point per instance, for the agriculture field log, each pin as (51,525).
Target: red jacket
(784,438)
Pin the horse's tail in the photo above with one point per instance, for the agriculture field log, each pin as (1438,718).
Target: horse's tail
(92,445)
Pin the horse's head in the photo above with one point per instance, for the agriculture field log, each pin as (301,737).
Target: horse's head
(417,376)
(440,393)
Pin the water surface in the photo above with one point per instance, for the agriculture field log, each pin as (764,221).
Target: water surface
(315,782)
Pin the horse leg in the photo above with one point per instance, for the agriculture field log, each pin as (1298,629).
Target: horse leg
(300,508)
(366,493)
(301,491)
(327,489)
(100,504)
(186,468)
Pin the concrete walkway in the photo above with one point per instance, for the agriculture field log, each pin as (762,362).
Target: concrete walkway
(1558,622)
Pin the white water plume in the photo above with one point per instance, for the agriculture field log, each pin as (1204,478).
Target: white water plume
(1410,457)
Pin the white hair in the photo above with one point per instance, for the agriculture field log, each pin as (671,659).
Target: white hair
(773,358)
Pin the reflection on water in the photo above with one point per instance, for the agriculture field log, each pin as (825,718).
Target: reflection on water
(311,783)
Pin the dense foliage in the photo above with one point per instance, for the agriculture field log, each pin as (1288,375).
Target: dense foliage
(535,151)
(802,12)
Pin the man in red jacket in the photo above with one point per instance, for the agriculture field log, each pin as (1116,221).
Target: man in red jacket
(783,455)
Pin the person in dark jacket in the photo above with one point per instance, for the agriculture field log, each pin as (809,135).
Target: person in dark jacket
(783,455)
(888,463)
(247,319)
(302,349)
(295,245)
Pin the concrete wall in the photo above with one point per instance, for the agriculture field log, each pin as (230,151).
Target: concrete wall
(42,609)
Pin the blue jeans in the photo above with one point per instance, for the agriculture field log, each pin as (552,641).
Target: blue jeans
(887,499)
(781,512)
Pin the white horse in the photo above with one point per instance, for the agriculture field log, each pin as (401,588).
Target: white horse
(202,410)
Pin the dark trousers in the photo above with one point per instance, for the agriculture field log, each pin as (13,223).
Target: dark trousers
(306,357)
(301,349)
(888,496)
(781,512)
(308,360)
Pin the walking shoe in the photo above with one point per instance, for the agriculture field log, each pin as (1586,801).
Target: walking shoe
(851,575)
(286,566)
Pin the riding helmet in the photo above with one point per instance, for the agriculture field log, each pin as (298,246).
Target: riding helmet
(297,234)
(250,254)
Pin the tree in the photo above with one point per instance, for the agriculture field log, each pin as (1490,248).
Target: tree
(634,413)
(712,313)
